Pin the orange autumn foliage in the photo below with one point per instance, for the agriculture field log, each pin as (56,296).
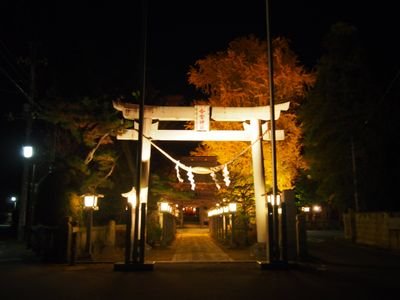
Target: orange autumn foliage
(238,77)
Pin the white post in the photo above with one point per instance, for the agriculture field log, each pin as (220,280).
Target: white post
(146,153)
(259,181)
(145,165)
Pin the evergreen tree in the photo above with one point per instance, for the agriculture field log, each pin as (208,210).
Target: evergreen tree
(334,118)
(84,153)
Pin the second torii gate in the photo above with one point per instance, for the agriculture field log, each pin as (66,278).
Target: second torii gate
(254,132)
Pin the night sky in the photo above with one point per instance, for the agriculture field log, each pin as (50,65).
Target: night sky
(93,47)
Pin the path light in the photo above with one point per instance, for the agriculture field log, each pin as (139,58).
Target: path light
(90,201)
(276,218)
(90,204)
(165,207)
(232,209)
(226,219)
(131,209)
(316,208)
(131,197)
(226,209)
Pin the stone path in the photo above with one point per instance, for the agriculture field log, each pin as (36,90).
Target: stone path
(195,245)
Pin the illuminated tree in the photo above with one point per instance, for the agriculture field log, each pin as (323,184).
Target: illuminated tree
(238,77)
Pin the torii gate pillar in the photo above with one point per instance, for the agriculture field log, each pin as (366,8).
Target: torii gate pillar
(259,182)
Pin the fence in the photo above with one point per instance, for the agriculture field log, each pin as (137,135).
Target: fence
(67,242)
(379,229)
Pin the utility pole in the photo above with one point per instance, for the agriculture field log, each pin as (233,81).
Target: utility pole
(354,170)
(276,252)
(24,206)
(273,139)
(23,203)
(140,209)
(141,180)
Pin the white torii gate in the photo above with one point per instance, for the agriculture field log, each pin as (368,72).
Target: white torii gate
(202,115)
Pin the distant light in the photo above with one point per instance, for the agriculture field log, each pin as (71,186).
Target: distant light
(271,199)
(27,151)
(232,206)
(13,198)
(316,208)
(305,209)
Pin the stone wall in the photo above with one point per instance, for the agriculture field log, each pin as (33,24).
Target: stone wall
(111,238)
(379,229)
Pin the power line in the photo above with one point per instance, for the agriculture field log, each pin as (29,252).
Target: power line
(18,71)
(19,88)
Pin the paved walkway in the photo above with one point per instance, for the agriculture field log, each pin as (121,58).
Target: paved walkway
(191,244)
(195,245)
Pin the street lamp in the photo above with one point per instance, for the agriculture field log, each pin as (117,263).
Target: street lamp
(11,210)
(27,153)
(90,204)
(13,200)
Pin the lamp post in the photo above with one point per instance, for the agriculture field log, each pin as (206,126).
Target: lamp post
(131,205)
(273,140)
(11,210)
(90,204)
(232,209)
(279,230)
(13,199)
(165,209)
(27,153)
(134,226)
(275,201)
(220,212)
